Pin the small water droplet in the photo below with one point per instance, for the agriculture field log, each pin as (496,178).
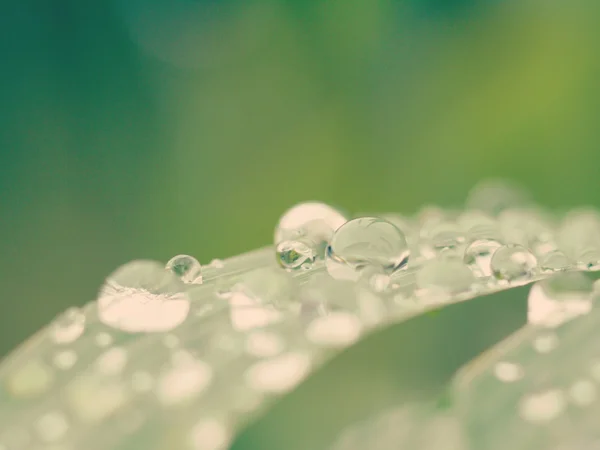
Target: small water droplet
(187,268)
(143,297)
(31,379)
(545,343)
(583,393)
(210,434)
(554,261)
(513,263)
(543,406)
(589,259)
(67,327)
(296,254)
(142,382)
(217,264)
(335,329)
(184,381)
(445,275)
(311,224)
(366,242)
(103,339)
(52,426)
(65,359)
(445,237)
(264,344)
(508,372)
(93,398)
(112,361)
(478,256)
(279,374)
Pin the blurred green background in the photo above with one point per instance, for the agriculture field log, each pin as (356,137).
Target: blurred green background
(142,129)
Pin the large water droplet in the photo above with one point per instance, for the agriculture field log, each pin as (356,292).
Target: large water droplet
(444,238)
(142,296)
(513,263)
(303,233)
(68,326)
(366,242)
(478,256)
(186,267)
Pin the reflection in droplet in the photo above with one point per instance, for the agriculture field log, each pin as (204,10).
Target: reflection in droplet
(583,393)
(186,267)
(142,296)
(513,263)
(543,406)
(335,329)
(508,372)
(478,256)
(296,254)
(68,326)
(52,426)
(366,242)
(279,374)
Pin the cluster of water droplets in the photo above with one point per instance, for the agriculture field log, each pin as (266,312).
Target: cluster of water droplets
(215,344)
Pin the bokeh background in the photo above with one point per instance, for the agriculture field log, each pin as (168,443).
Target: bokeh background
(143,129)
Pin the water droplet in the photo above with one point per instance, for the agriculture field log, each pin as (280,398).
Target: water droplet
(321,294)
(542,407)
(52,426)
(309,226)
(112,361)
(93,398)
(31,379)
(446,238)
(279,374)
(186,267)
(366,242)
(142,382)
(184,381)
(103,339)
(508,372)
(65,359)
(545,343)
(589,259)
(296,254)
(495,195)
(335,329)
(67,327)
(583,393)
(555,300)
(445,275)
(217,264)
(554,261)
(513,263)
(143,297)
(264,344)
(210,434)
(478,256)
